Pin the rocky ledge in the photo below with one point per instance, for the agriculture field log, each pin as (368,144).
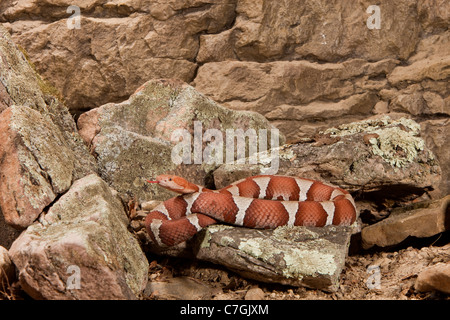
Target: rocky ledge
(73,198)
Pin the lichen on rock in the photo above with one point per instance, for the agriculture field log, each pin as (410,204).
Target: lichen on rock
(395,141)
(396,146)
(86,228)
(299,256)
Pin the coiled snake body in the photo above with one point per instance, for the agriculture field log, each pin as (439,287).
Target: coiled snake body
(265,201)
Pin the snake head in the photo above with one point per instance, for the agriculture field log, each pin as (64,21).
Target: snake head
(175,183)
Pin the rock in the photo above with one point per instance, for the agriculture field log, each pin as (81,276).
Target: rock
(422,219)
(435,133)
(150,205)
(432,16)
(266,31)
(34,153)
(430,62)
(421,83)
(159,39)
(180,288)
(436,277)
(296,256)
(7,270)
(19,83)
(299,97)
(40,141)
(22,86)
(305,67)
(81,249)
(394,164)
(133,140)
(254,294)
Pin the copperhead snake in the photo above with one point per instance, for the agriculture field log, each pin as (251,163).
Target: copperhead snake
(265,201)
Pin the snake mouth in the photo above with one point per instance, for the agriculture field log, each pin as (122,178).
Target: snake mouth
(167,184)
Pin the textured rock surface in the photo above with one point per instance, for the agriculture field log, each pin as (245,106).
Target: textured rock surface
(435,134)
(297,64)
(158,38)
(298,256)
(41,148)
(7,269)
(133,140)
(36,164)
(295,94)
(19,83)
(382,156)
(436,277)
(84,234)
(306,67)
(423,219)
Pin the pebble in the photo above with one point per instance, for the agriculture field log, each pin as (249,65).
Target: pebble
(254,294)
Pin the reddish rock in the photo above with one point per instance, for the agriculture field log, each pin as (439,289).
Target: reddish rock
(36,164)
(81,249)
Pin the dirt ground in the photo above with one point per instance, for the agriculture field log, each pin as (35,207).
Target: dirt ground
(374,275)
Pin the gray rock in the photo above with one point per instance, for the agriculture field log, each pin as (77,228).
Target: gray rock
(379,156)
(81,249)
(297,256)
(254,294)
(132,140)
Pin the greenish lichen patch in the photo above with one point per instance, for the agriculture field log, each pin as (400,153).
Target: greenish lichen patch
(396,141)
(299,260)
(373,125)
(300,263)
(396,146)
(212,229)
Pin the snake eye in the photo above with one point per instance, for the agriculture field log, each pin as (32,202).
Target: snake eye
(170,179)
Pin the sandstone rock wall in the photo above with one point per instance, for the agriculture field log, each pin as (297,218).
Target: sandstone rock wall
(305,65)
